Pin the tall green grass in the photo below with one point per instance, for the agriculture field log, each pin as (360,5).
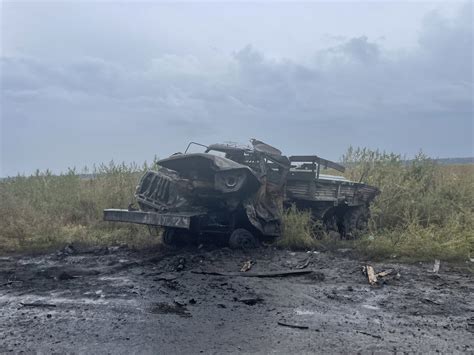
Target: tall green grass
(297,230)
(424,211)
(45,211)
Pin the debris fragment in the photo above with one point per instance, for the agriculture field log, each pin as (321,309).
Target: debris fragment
(65,276)
(470,324)
(180,264)
(370,272)
(436,266)
(250,301)
(428,300)
(167,308)
(370,335)
(67,250)
(247,266)
(384,273)
(166,277)
(255,274)
(305,264)
(11,282)
(38,304)
(179,302)
(297,326)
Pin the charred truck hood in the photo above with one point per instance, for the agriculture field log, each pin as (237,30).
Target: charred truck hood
(225,175)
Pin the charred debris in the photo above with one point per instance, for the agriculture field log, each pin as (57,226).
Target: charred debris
(239,193)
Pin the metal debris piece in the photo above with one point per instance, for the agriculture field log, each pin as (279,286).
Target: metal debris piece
(166,277)
(297,326)
(429,300)
(255,274)
(250,301)
(247,266)
(305,264)
(370,335)
(38,304)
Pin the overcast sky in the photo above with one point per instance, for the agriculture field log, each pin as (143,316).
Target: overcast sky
(88,82)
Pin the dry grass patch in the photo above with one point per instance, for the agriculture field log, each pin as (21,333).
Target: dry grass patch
(297,230)
(46,211)
(425,210)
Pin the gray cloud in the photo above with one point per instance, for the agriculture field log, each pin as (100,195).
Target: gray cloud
(59,112)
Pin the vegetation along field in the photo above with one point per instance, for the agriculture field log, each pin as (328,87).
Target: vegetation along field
(425,210)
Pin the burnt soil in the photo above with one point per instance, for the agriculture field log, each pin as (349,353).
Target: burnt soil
(117,300)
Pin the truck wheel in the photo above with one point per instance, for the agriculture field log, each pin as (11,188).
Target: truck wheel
(174,237)
(242,239)
(356,222)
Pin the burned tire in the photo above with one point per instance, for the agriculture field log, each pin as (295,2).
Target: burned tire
(242,239)
(175,237)
(355,222)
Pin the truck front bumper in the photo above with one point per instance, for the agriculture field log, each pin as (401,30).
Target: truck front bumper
(176,220)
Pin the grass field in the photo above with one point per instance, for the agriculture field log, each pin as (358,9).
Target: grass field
(46,211)
(425,210)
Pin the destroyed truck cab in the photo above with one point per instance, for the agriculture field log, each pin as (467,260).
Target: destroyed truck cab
(240,193)
(237,194)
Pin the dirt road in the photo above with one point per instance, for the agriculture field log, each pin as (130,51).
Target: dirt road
(117,300)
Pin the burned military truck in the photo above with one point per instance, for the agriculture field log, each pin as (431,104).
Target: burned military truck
(240,193)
